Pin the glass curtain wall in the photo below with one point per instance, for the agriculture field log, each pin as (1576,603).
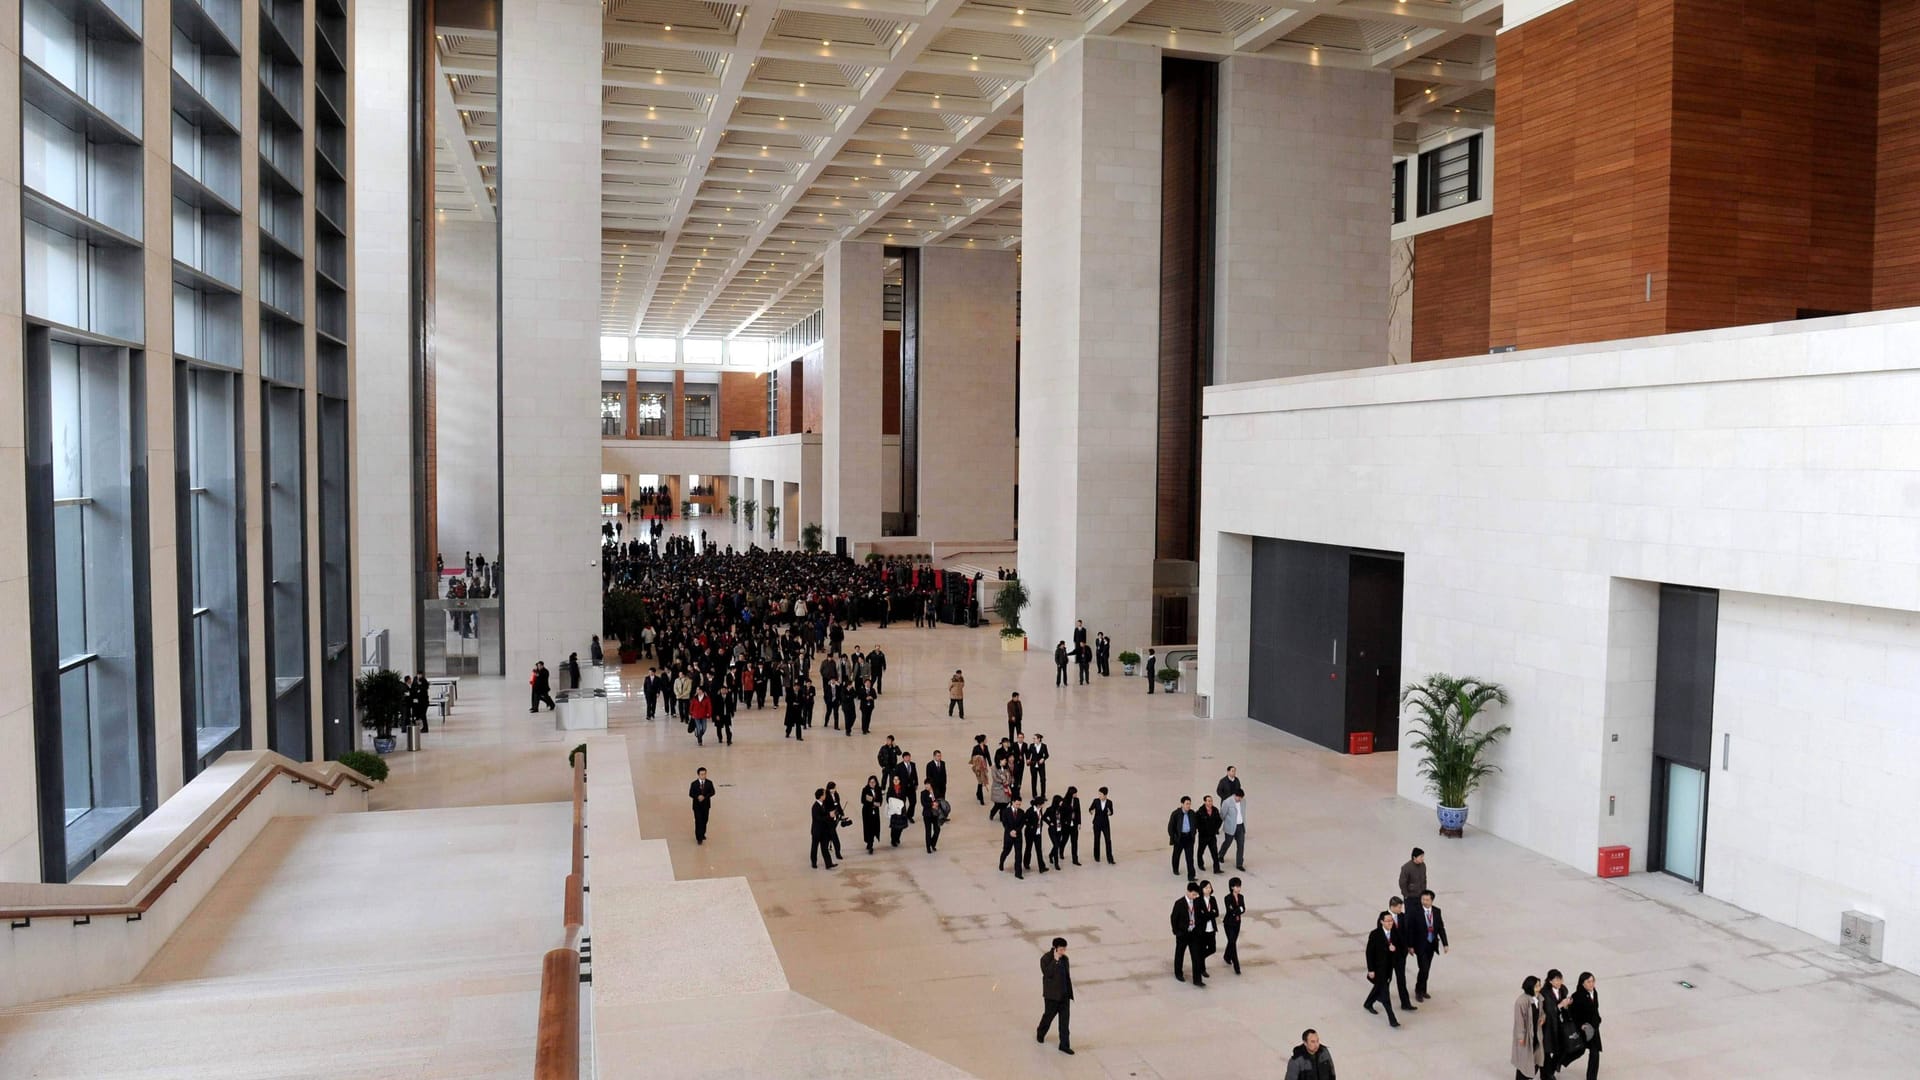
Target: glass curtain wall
(282,439)
(214,691)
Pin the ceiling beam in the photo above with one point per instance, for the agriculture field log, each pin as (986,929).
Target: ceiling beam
(448,119)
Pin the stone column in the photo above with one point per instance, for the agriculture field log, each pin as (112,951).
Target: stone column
(967,338)
(1088,392)
(550,293)
(850,473)
(1302,263)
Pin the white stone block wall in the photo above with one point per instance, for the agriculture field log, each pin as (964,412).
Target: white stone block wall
(383,557)
(466,386)
(967,338)
(1300,253)
(550,292)
(1090,287)
(850,394)
(1537,496)
(19,784)
(1815,751)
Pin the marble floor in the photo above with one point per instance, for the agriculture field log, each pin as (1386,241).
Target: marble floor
(941,951)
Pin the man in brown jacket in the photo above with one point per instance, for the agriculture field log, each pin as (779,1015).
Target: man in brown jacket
(957,694)
(1016,712)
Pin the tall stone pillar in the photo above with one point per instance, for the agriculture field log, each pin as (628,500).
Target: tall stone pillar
(966,364)
(850,432)
(1301,259)
(1090,282)
(550,292)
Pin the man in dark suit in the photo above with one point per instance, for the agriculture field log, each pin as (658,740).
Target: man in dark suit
(650,686)
(1228,786)
(909,775)
(1188,920)
(1153,666)
(1103,825)
(1037,756)
(1183,827)
(1102,648)
(937,776)
(1079,634)
(701,792)
(889,756)
(822,831)
(930,816)
(1030,839)
(1013,826)
(1402,944)
(1429,930)
(1056,987)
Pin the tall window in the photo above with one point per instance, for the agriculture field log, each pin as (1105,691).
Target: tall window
(1450,175)
(1399,192)
(214,696)
(700,350)
(283,437)
(613,407)
(699,416)
(85,536)
(650,414)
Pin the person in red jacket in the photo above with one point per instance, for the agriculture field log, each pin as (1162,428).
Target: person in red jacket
(700,710)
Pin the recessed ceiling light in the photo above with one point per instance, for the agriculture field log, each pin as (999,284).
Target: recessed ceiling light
(669,27)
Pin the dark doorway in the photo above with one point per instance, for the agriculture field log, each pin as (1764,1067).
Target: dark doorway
(1324,641)
(1683,730)
(1374,587)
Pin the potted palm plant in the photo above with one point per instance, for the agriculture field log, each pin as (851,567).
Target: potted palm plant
(1169,678)
(733,508)
(1129,662)
(383,705)
(1453,753)
(773,522)
(1007,603)
(810,536)
(748,508)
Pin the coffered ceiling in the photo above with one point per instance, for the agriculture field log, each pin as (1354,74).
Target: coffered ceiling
(742,139)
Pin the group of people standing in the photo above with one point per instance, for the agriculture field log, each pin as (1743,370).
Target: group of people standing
(1084,654)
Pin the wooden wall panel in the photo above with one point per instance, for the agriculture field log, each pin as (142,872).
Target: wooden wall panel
(1452,284)
(743,403)
(890,382)
(1724,147)
(813,388)
(1896,245)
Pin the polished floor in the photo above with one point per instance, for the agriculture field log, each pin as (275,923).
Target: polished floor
(941,951)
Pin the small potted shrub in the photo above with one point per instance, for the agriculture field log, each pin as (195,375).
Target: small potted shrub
(383,705)
(1129,662)
(371,766)
(686,508)
(1169,677)
(1451,751)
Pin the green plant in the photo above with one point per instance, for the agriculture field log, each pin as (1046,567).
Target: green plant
(1129,657)
(371,766)
(733,507)
(773,520)
(749,507)
(1007,603)
(634,506)
(686,508)
(383,701)
(1452,752)
(874,556)
(810,536)
(1168,676)
(578,751)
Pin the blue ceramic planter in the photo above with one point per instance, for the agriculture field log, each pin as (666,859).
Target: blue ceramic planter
(1453,819)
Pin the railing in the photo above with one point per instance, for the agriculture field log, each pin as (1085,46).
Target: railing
(557,1047)
(145,896)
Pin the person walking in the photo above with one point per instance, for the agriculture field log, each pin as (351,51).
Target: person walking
(1413,876)
(1060,664)
(1103,825)
(980,760)
(1056,990)
(1013,826)
(870,797)
(1528,1055)
(1554,999)
(541,682)
(682,694)
(1209,933)
(1380,952)
(839,811)
(821,831)
(1311,1059)
(1583,1012)
(1037,756)
(1402,945)
(1016,713)
(1072,807)
(937,776)
(700,711)
(1185,920)
(867,701)
(1003,796)
(1030,839)
(1210,824)
(957,694)
(930,815)
(1228,784)
(1055,819)
(897,799)
(1233,908)
(1233,828)
(420,700)
(701,792)
(877,665)
(1429,936)
(1182,826)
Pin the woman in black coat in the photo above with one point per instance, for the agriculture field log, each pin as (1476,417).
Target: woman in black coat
(1235,906)
(870,812)
(1209,932)
(1380,950)
(1584,1013)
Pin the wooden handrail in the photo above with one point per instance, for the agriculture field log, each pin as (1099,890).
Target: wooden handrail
(158,888)
(573,906)
(556,1054)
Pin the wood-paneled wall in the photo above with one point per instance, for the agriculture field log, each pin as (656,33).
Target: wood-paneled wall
(1452,283)
(890,382)
(1724,147)
(743,403)
(1896,242)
